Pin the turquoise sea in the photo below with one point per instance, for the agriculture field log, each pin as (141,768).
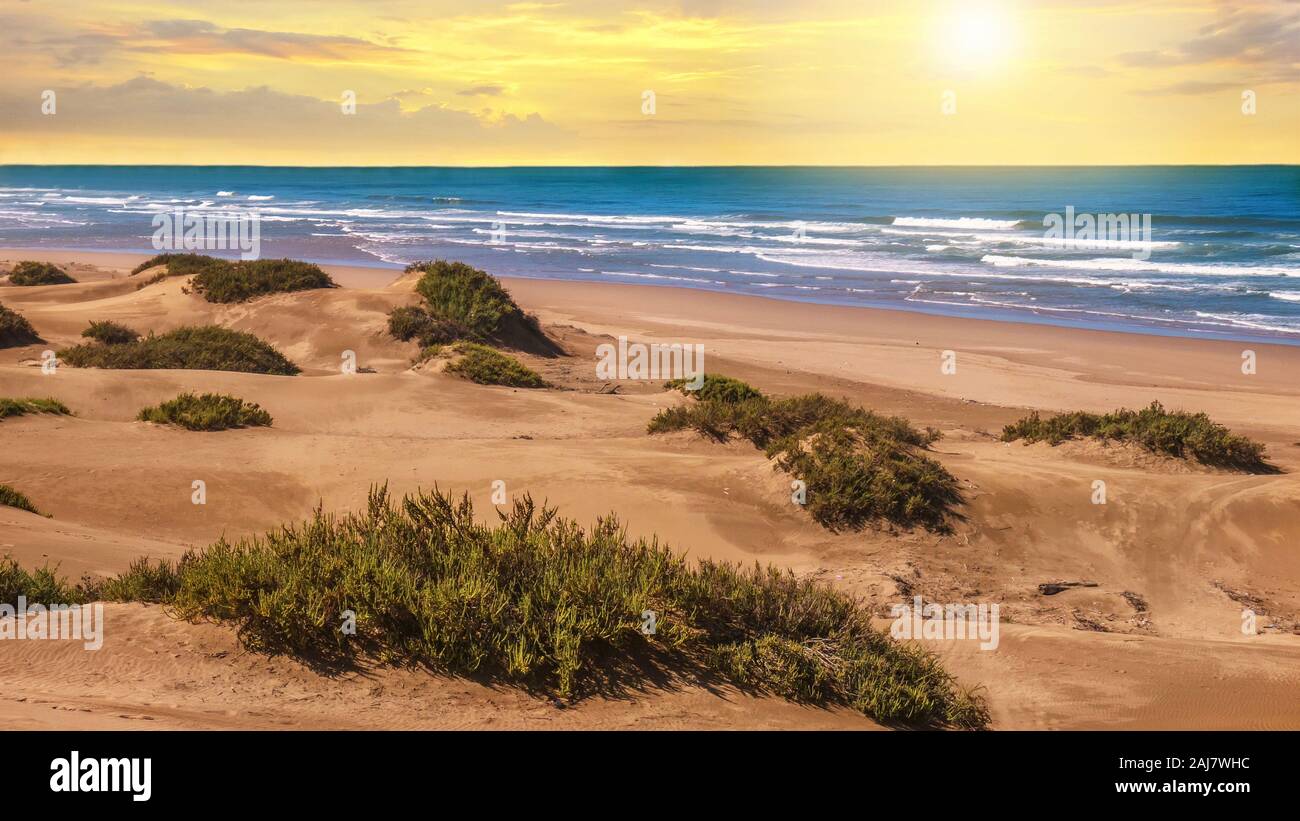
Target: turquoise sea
(1224,253)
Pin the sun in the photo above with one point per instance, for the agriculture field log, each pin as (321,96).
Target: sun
(975,35)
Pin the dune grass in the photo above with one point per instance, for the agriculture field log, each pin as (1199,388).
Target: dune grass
(28,272)
(147,581)
(487,366)
(464,294)
(12,498)
(716,387)
(478,307)
(245,279)
(180,265)
(209,411)
(18,407)
(41,586)
(205,347)
(858,467)
(225,281)
(538,602)
(175,265)
(1178,434)
(15,330)
(110,333)
(413,322)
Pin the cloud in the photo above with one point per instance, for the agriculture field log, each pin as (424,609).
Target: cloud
(68,46)
(145,107)
(482,91)
(1190,87)
(203,37)
(24,35)
(1252,38)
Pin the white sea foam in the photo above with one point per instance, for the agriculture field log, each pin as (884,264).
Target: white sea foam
(959,222)
(102,200)
(1259,322)
(689,268)
(975,238)
(1130,264)
(639,275)
(591,217)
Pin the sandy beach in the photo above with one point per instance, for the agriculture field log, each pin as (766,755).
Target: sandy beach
(1176,553)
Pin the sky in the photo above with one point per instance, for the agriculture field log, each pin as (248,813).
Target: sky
(654,82)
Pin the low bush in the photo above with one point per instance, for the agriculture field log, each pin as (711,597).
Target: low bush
(206,347)
(15,330)
(43,586)
(18,407)
(28,272)
(180,265)
(536,601)
(413,322)
(478,307)
(857,466)
(209,411)
(144,581)
(224,281)
(1178,434)
(490,366)
(464,294)
(715,387)
(243,280)
(12,498)
(110,333)
(408,322)
(486,366)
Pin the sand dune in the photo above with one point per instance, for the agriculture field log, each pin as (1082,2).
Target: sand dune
(1191,545)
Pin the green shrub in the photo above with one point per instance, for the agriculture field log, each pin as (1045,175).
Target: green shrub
(428,353)
(15,329)
(408,322)
(18,407)
(1178,434)
(211,411)
(857,466)
(538,602)
(466,295)
(442,332)
(152,583)
(413,322)
(222,281)
(206,347)
(245,279)
(486,366)
(110,333)
(717,387)
(180,265)
(38,273)
(12,498)
(44,586)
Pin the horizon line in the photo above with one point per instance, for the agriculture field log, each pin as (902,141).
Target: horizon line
(628,166)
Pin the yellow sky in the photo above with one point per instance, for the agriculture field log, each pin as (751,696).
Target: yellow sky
(870,82)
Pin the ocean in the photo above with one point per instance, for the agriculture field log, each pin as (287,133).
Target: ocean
(1223,259)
